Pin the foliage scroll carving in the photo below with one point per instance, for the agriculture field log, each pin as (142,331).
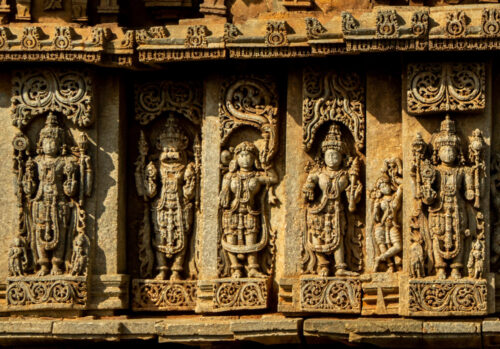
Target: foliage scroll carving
(36,92)
(439,87)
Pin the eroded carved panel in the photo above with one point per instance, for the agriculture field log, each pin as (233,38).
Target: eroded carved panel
(167,172)
(447,229)
(438,87)
(331,295)
(48,258)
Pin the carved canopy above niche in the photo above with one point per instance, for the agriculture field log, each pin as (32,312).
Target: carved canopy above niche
(154,98)
(443,87)
(36,92)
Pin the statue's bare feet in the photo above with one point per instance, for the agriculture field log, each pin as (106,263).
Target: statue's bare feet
(162,275)
(56,270)
(343,272)
(175,276)
(44,271)
(455,274)
(323,271)
(441,274)
(254,273)
(236,274)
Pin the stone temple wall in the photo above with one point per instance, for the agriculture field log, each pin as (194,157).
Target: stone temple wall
(277,172)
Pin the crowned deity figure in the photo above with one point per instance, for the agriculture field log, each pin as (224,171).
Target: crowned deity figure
(245,226)
(387,199)
(55,183)
(444,187)
(170,182)
(326,216)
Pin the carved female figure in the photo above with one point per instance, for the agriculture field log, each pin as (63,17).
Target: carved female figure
(387,199)
(444,187)
(326,220)
(245,231)
(55,183)
(171,183)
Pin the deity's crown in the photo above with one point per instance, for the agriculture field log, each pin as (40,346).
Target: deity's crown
(51,128)
(333,140)
(247,146)
(447,134)
(173,135)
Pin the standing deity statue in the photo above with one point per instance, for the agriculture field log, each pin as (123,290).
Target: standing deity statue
(386,205)
(326,218)
(54,183)
(245,226)
(446,189)
(170,182)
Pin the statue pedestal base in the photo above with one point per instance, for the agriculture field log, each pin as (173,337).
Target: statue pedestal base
(221,295)
(462,297)
(161,295)
(341,295)
(380,294)
(46,292)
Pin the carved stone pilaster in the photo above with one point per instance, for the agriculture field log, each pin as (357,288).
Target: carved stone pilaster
(213,8)
(79,10)
(23,10)
(108,10)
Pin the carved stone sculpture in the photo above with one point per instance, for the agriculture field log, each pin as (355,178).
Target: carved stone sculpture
(245,227)
(53,186)
(337,176)
(170,183)
(246,238)
(167,179)
(447,223)
(386,205)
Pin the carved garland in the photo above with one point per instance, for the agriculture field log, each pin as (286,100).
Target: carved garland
(334,96)
(438,87)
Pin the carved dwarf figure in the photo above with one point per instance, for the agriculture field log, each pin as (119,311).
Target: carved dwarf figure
(18,258)
(245,228)
(171,183)
(326,220)
(55,183)
(443,188)
(386,201)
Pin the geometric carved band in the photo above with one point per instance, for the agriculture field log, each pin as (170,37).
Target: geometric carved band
(156,295)
(58,291)
(330,294)
(448,297)
(240,294)
(442,87)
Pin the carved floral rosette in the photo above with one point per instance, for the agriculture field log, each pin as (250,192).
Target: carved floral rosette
(240,294)
(37,293)
(330,295)
(332,96)
(161,295)
(447,297)
(36,92)
(442,87)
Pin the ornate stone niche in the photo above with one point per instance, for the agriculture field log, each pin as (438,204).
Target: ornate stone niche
(248,112)
(333,122)
(50,253)
(446,224)
(167,176)
(445,87)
